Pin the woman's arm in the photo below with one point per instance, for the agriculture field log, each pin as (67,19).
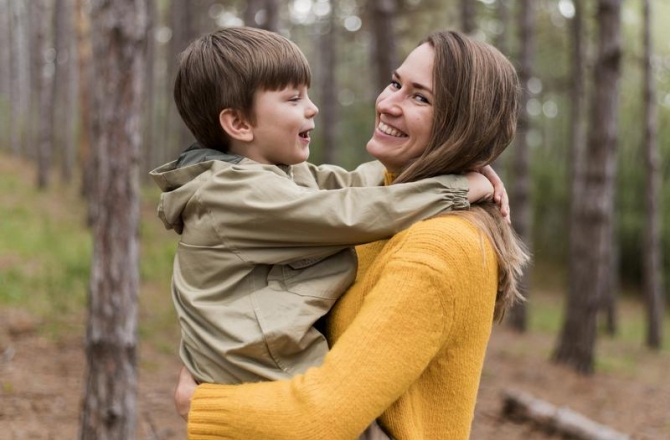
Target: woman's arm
(401,326)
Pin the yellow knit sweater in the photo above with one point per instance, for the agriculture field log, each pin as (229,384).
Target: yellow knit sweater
(409,340)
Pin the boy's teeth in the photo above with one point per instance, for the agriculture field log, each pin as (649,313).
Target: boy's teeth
(390,130)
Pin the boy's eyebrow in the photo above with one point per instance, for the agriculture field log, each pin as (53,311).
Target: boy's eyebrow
(414,84)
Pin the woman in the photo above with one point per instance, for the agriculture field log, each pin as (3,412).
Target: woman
(409,337)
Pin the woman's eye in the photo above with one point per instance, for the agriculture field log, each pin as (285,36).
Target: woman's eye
(395,84)
(421,99)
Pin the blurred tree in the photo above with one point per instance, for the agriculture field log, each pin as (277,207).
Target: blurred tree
(381,14)
(502,37)
(262,14)
(46,90)
(652,237)
(20,90)
(468,16)
(63,133)
(148,156)
(183,22)
(328,117)
(595,204)
(87,161)
(520,194)
(577,247)
(110,407)
(5,75)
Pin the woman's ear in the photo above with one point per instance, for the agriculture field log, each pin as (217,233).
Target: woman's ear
(236,125)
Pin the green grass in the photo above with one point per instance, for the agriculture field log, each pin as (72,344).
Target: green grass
(45,254)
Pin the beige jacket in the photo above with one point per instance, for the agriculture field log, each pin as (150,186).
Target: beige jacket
(264,253)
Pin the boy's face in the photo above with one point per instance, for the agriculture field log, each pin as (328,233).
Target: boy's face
(283,122)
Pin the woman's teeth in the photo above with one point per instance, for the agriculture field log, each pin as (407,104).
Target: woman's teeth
(390,130)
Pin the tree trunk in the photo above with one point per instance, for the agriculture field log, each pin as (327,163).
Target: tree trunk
(468,16)
(652,238)
(328,82)
(503,15)
(5,75)
(20,92)
(595,204)
(63,134)
(83,26)
(577,158)
(182,22)
(252,10)
(110,408)
(148,126)
(46,92)
(520,193)
(381,14)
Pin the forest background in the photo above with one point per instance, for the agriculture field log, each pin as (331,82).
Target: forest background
(54,90)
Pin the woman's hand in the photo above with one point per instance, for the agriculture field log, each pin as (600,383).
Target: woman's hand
(499,192)
(186,386)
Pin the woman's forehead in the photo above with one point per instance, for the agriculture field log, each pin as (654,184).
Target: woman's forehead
(418,66)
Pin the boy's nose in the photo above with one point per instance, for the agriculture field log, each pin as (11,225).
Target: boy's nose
(312,110)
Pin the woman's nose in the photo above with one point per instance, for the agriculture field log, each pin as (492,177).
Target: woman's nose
(388,103)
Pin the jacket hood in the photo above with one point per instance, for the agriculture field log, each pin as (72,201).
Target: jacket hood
(177,180)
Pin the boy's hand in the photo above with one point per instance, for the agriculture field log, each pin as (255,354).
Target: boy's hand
(493,189)
(186,386)
(481,189)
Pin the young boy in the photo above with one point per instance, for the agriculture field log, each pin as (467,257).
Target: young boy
(264,250)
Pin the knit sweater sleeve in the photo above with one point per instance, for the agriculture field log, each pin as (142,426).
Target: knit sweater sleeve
(402,324)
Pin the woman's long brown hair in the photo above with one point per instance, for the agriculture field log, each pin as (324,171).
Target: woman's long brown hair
(475,115)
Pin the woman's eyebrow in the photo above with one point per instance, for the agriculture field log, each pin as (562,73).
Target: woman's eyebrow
(414,84)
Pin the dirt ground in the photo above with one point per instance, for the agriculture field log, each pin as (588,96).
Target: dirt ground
(41,385)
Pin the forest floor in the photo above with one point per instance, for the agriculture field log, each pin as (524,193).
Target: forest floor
(42,382)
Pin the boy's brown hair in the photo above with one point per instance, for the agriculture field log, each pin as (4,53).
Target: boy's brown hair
(224,69)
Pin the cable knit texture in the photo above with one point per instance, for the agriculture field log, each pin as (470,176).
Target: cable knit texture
(409,340)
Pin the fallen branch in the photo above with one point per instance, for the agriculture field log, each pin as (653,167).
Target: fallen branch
(523,407)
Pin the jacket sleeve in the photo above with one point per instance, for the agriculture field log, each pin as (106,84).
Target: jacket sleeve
(334,177)
(402,324)
(267,219)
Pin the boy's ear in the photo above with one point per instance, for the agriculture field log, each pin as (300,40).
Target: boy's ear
(236,125)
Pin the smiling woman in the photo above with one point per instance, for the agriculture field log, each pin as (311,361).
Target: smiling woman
(408,338)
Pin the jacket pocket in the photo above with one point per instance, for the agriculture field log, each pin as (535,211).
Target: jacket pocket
(326,277)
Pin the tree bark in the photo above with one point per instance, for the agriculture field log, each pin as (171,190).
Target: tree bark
(653,285)
(110,408)
(577,157)
(595,204)
(520,194)
(381,14)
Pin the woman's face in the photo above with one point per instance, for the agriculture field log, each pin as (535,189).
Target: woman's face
(405,112)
